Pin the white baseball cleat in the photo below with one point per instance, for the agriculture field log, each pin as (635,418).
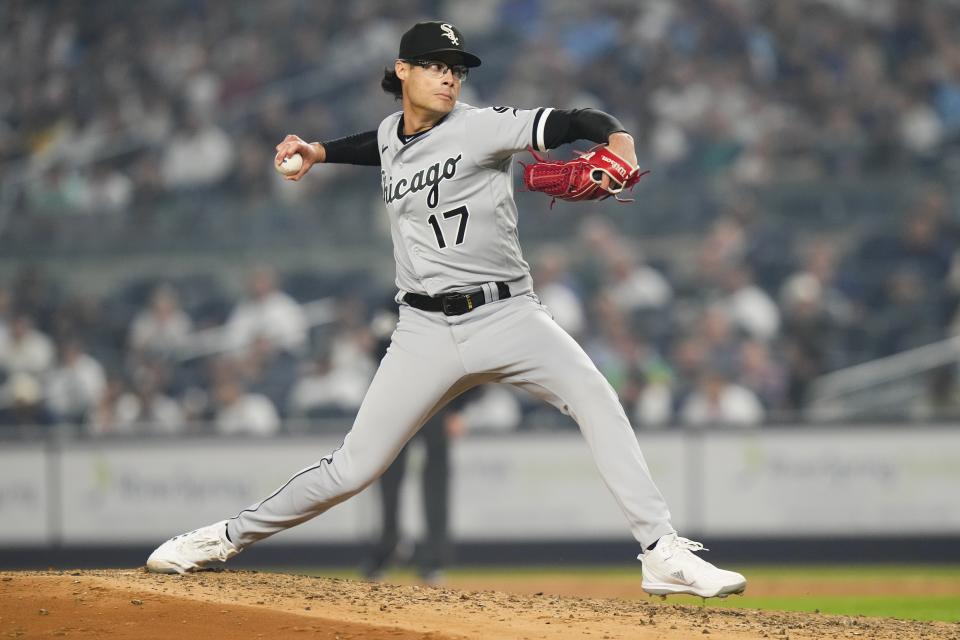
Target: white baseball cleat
(671,567)
(193,550)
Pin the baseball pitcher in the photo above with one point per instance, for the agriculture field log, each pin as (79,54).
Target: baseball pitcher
(468,314)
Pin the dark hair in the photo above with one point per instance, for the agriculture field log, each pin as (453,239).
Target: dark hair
(391,83)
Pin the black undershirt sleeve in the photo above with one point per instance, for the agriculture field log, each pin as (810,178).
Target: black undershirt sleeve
(360,148)
(562,126)
(565,126)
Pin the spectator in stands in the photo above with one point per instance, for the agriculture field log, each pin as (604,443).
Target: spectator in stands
(241,413)
(337,378)
(725,244)
(161,329)
(493,408)
(688,358)
(268,370)
(909,316)
(649,396)
(143,407)
(633,284)
(842,142)
(946,89)
(110,191)
(921,244)
(267,312)
(21,402)
(631,364)
(199,155)
(817,283)
(920,128)
(748,306)
(811,336)
(61,190)
(818,318)
(352,344)
(323,391)
(597,238)
(554,284)
(763,375)
(720,341)
(768,247)
(924,244)
(718,401)
(103,418)
(611,345)
(75,386)
(28,350)
(147,410)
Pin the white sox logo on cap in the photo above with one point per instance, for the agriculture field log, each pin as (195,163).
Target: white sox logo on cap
(449,33)
(426,40)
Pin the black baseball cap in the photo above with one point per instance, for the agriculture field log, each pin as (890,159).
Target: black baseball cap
(425,40)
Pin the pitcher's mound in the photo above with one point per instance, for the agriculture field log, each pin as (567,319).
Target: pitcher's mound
(132,604)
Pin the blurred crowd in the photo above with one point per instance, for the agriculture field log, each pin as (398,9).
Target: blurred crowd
(151,126)
(143,115)
(722,342)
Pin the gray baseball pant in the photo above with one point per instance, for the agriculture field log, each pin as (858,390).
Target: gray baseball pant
(432,359)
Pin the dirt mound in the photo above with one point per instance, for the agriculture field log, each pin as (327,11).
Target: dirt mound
(128,604)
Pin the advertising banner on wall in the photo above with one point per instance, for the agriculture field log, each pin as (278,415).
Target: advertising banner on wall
(809,481)
(149,490)
(24,500)
(532,486)
(547,487)
(814,481)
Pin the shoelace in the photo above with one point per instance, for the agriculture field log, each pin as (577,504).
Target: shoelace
(689,545)
(682,544)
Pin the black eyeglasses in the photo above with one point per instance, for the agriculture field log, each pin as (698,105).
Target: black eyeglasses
(436,69)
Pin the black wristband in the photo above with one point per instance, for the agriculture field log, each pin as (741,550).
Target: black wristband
(565,126)
(360,148)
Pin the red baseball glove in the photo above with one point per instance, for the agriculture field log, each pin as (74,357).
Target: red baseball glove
(582,177)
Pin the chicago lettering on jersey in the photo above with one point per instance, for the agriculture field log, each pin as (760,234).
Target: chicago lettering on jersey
(431,177)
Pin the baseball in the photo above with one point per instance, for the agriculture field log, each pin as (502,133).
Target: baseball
(290,166)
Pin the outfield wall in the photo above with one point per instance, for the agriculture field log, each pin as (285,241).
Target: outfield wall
(815,482)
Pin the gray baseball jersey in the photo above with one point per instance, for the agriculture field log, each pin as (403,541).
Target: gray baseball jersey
(449,196)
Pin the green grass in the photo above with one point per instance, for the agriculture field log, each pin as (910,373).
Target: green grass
(947,572)
(909,607)
(944,608)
